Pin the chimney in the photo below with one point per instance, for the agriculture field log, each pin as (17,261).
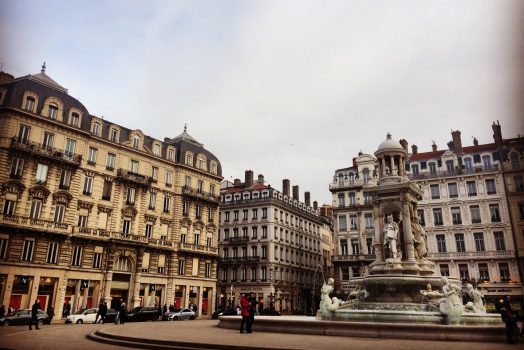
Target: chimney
(497,133)
(5,77)
(248,179)
(307,198)
(261,179)
(295,192)
(236,182)
(414,149)
(315,205)
(434,146)
(475,141)
(404,144)
(354,161)
(285,187)
(457,142)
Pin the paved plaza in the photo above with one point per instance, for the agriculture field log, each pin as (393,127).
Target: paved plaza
(61,336)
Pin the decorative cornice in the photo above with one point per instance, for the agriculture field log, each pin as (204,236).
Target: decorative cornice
(39,192)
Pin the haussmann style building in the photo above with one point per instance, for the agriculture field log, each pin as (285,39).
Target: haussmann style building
(92,210)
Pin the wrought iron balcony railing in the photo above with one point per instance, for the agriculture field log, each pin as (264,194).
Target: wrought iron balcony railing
(41,150)
(138,179)
(194,192)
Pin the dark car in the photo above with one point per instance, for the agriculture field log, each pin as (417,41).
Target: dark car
(110,316)
(143,313)
(223,312)
(24,317)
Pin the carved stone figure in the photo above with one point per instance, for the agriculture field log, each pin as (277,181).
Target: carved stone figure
(391,236)
(419,238)
(451,305)
(477,305)
(358,294)
(329,305)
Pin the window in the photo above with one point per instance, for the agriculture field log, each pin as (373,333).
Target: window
(30,103)
(169,178)
(441,243)
(47,142)
(28,250)
(263,273)
(475,214)
(136,142)
(181,266)
(17,168)
(171,154)
(468,164)
(198,211)
(41,174)
(341,200)
(113,135)
(65,179)
(344,247)
(452,190)
(504,272)
(154,173)
(444,270)
(23,133)
(486,161)
(70,147)
(264,213)
(483,272)
(432,168)
(491,188)
(75,119)
(200,186)
(464,272)
(353,222)
(455,216)
(264,231)
(369,245)
(36,209)
(156,149)
(264,252)
(91,156)
(151,201)
(126,226)
(245,214)
(450,167)
(130,195)
(189,159)
(479,241)
(414,169)
(52,253)
(133,166)
(355,247)
(352,198)
(211,214)
(76,258)
(110,164)
(88,185)
(435,191)
(167,204)
(106,193)
(53,111)
(59,213)
(3,247)
(235,215)
(9,207)
(82,220)
(421,217)
(518,184)
(459,240)
(368,218)
(97,257)
(472,188)
(521,210)
(494,212)
(96,129)
(500,244)
(437,217)
(149,230)
(208,270)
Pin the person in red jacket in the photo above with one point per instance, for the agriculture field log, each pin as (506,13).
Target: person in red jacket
(244,304)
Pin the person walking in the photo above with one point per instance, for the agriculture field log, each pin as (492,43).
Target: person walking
(51,313)
(244,304)
(99,312)
(118,307)
(123,313)
(2,311)
(252,311)
(34,315)
(511,325)
(103,312)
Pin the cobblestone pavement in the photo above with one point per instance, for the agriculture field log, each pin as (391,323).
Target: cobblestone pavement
(60,336)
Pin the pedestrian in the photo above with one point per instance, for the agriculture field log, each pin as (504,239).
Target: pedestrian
(511,325)
(118,307)
(171,308)
(66,310)
(99,312)
(2,311)
(195,310)
(34,315)
(103,312)
(51,313)
(252,311)
(123,313)
(164,309)
(244,304)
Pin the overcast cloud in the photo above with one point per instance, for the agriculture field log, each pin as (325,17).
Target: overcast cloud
(290,89)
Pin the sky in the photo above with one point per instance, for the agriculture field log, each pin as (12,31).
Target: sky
(288,89)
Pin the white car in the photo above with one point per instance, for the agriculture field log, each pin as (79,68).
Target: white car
(82,316)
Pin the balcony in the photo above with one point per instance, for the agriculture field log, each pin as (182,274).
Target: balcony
(357,257)
(347,184)
(241,239)
(468,255)
(36,149)
(127,176)
(90,232)
(367,205)
(34,224)
(240,260)
(196,193)
(457,172)
(197,248)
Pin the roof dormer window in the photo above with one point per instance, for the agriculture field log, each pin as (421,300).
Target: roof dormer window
(75,119)
(113,135)
(156,149)
(171,154)
(96,129)
(53,111)
(30,103)
(136,142)
(213,167)
(189,159)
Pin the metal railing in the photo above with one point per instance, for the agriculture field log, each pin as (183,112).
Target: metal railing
(194,192)
(136,178)
(49,152)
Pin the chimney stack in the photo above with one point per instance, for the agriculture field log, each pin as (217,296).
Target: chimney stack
(404,144)
(261,179)
(307,198)
(354,161)
(434,146)
(475,141)
(295,192)
(457,142)
(285,187)
(248,179)
(414,149)
(497,133)
(315,205)
(236,182)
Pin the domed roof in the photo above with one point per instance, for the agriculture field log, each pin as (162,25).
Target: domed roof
(389,144)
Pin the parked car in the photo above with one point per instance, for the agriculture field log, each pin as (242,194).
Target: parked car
(82,316)
(179,314)
(24,317)
(110,316)
(143,313)
(223,312)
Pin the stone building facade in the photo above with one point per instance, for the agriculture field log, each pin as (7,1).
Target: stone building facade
(271,244)
(92,210)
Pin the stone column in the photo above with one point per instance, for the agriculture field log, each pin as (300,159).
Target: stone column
(383,168)
(108,278)
(138,275)
(379,257)
(392,168)
(33,293)
(75,307)
(408,235)
(8,290)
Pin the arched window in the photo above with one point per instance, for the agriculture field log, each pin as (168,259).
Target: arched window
(365,175)
(213,167)
(75,119)
(189,159)
(514,157)
(486,161)
(53,111)
(136,141)
(351,178)
(30,103)
(340,178)
(123,264)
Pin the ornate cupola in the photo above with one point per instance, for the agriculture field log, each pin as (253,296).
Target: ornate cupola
(391,158)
